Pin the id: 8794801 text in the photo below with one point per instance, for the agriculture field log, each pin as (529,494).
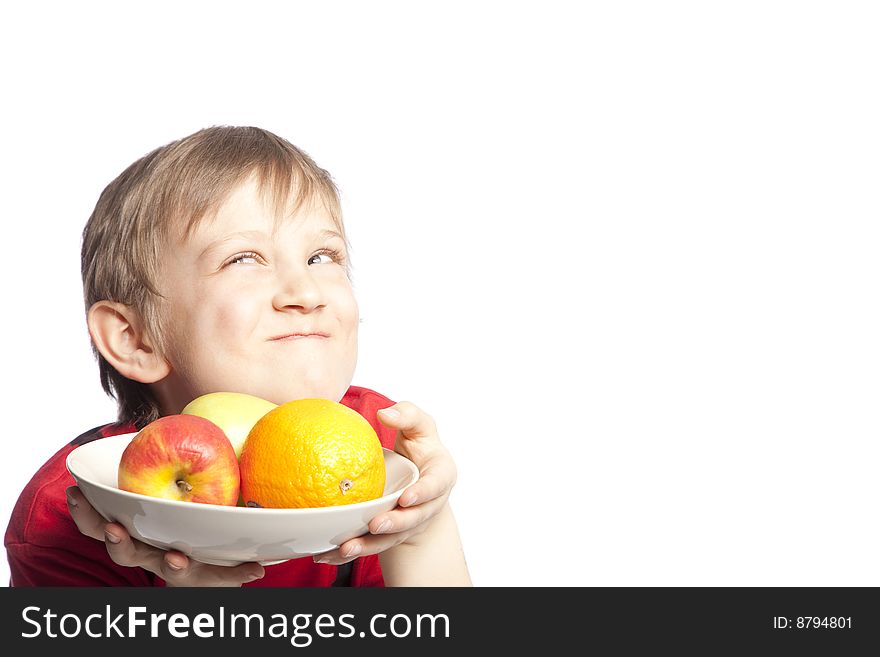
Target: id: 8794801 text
(812,623)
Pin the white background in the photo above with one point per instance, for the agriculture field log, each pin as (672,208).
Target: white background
(625,253)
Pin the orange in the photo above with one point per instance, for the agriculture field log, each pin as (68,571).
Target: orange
(311,453)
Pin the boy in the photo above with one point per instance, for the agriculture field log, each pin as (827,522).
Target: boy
(218,263)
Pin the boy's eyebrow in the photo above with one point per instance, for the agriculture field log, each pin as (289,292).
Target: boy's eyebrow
(256,234)
(330,233)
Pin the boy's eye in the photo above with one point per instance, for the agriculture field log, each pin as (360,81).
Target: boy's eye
(325,257)
(247,257)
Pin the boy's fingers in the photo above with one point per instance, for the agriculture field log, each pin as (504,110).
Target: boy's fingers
(401,525)
(359,547)
(172,566)
(121,548)
(198,574)
(175,567)
(409,419)
(126,551)
(404,520)
(88,521)
(435,480)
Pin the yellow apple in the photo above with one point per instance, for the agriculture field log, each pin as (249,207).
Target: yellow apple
(234,412)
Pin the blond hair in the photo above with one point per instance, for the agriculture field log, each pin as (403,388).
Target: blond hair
(175,187)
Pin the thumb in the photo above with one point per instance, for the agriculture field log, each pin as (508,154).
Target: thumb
(408,419)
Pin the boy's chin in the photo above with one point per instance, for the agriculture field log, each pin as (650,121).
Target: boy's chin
(331,392)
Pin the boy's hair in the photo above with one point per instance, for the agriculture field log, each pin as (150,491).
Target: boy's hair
(169,191)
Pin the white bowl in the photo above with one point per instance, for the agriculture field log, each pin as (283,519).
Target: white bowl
(227,535)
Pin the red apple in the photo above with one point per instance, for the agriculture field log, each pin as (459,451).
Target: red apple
(181,457)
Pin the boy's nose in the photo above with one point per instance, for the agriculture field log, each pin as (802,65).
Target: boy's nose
(299,293)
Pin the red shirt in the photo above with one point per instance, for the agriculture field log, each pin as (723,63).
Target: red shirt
(45,548)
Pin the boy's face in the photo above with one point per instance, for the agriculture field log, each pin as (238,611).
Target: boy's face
(252,311)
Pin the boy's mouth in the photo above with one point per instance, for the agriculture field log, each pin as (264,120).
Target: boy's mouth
(299,336)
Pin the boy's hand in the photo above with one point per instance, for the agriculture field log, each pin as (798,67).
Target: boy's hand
(417,440)
(172,566)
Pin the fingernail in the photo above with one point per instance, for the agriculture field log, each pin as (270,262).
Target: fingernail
(253,576)
(353,551)
(390,413)
(409,500)
(111,537)
(72,502)
(321,559)
(383,527)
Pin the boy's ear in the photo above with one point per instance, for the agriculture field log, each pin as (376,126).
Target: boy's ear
(118,332)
